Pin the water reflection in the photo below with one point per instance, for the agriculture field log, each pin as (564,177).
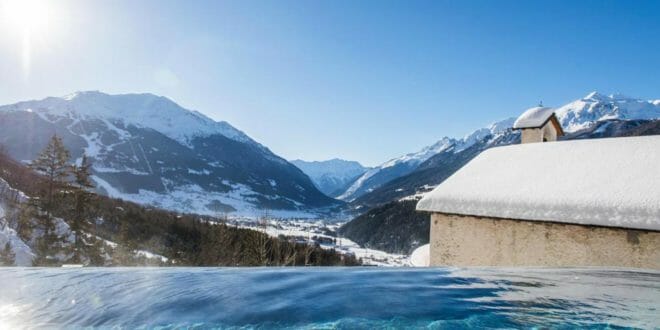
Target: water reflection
(328,297)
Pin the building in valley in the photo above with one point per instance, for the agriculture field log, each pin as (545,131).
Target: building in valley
(567,203)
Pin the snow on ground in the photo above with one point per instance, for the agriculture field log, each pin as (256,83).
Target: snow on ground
(305,231)
(150,255)
(23,252)
(194,199)
(421,256)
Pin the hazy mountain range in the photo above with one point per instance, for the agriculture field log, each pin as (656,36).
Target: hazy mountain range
(333,176)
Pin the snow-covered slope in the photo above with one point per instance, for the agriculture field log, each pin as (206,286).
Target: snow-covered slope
(331,176)
(141,110)
(406,164)
(23,253)
(392,169)
(147,149)
(596,107)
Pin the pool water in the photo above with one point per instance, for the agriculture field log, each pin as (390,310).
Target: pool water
(328,298)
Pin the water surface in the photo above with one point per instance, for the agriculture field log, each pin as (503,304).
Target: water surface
(328,298)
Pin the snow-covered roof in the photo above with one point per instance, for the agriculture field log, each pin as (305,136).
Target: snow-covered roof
(534,117)
(606,182)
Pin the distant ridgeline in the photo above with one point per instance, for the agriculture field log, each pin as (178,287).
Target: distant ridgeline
(594,116)
(103,231)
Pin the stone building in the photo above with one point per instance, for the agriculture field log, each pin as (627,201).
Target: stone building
(538,124)
(568,203)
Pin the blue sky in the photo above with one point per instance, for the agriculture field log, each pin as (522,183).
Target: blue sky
(360,80)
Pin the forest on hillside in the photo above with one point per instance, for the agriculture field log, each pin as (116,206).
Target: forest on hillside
(51,207)
(395,227)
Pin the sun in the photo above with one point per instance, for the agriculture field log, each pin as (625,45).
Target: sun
(26,16)
(29,23)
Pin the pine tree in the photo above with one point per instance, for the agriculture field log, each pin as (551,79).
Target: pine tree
(82,198)
(24,225)
(7,256)
(95,252)
(52,164)
(124,253)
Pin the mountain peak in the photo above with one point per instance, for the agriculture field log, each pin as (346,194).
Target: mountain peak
(502,125)
(79,94)
(595,107)
(594,96)
(141,110)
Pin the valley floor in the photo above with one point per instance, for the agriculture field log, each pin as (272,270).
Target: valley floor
(323,233)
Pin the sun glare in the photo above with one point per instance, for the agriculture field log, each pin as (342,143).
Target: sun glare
(26,15)
(26,21)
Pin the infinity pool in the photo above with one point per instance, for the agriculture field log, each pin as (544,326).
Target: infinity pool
(328,298)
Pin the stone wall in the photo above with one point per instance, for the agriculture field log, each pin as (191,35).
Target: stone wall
(533,135)
(476,241)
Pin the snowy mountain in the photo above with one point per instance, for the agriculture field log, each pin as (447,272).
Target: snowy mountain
(147,149)
(406,164)
(333,176)
(592,116)
(596,107)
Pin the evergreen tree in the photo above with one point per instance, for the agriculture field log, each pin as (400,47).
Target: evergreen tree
(52,164)
(95,252)
(82,197)
(124,253)
(7,256)
(24,224)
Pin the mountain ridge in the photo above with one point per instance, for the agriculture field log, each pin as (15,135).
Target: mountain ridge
(573,116)
(576,116)
(147,149)
(401,166)
(138,109)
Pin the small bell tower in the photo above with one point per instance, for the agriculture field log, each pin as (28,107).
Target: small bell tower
(538,124)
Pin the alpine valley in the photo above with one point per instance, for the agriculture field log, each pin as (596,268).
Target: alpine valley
(147,149)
